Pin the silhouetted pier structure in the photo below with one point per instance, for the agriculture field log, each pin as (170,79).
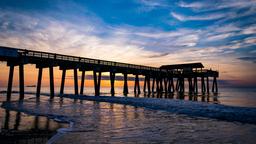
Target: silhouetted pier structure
(155,79)
(191,72)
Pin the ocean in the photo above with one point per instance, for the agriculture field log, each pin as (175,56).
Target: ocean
(68,120)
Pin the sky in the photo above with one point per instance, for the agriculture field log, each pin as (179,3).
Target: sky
(221,34)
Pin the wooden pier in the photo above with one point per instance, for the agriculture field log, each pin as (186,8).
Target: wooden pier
(160,80)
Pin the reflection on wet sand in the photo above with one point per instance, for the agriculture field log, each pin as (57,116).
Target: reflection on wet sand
(21,128)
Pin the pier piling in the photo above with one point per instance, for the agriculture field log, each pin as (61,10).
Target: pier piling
(51,82)
(202,85)
(39,81)
(170,85)
(195,85)
(75,82)
(62,85)
(214,85)
(207,84)
(177,84)
(97,80)
(9,89)
(125,89)
(182,85)
(148,84)
(82,82)
(137,85)
(165,85)
(161,84)
(153,84)
(145,84)
(190,85)
(112,83)
(21,78)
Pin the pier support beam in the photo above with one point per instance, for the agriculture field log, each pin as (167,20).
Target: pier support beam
(161,84)
(153,84)
(97,80)
(75,82)
(170,85)
(63,77)
(21,78)
(195,85)
(190,85)
(202,85)
(146,87)
(137,85)
(148,84)
(112,83)
(157,85)
(51,82)
(214,85)
(165,85)
(125,89)
(145,84)
(39,81)
(180,85)
(207,85)
(82,82)
(9,89)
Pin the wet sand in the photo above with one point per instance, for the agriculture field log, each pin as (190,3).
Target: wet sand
(102,122)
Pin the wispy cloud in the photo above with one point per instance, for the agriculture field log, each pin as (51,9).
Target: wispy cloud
(194,5)
(219,37)
(221,12)
(187,40)
(249,30)
(153,3)
(227,31)
(251,59)
(170,40)
(148,5)
(216,5)
(213,16)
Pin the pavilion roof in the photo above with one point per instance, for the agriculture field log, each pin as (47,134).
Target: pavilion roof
(182,66)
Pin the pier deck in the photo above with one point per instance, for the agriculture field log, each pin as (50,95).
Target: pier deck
(155,79)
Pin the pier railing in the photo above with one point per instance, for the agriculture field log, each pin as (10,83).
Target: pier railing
(53,56)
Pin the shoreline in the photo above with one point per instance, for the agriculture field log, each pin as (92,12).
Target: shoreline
(190,108)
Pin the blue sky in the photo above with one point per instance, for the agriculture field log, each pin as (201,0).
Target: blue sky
(221,34)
